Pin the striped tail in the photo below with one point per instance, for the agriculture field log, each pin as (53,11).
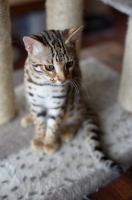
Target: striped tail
(93,132)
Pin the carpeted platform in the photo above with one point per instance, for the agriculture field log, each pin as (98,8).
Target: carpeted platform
(73,171)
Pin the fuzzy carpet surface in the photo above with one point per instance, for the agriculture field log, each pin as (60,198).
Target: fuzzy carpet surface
(72,172)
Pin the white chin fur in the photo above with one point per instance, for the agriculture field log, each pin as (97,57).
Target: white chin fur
(59,83)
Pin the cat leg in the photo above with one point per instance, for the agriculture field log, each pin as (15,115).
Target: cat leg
(26,121)
(52,136)
(39,122)
(37,141)
(51,142)
(68,132)
(72,123)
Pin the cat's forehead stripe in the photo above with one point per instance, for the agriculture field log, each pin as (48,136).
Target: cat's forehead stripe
(44,39)
(53,38)
(59,37)
(46,36)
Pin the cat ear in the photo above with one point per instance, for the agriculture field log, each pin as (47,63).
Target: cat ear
(33,46)
(72,35)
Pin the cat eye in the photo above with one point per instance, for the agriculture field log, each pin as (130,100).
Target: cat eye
(49,67)
(69,64)
(36,65)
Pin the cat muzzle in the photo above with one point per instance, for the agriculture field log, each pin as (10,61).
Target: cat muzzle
(62,80)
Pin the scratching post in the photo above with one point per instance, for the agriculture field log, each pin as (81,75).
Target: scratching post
(7,103)
(63,14)
(125,91)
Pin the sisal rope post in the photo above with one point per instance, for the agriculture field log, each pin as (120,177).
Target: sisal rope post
(125,91)
(7,100)
(63,14)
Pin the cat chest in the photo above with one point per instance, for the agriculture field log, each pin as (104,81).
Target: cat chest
(47,96)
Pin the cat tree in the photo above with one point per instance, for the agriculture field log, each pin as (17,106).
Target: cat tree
(7,100)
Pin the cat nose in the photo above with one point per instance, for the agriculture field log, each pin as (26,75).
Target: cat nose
(61,80)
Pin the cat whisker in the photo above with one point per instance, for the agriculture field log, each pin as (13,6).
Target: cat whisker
(76,88)
(83,86)
(71,89)
(72,86)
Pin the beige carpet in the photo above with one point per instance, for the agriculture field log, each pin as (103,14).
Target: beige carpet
(72,172)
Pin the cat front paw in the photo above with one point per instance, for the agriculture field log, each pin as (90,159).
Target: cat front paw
(26,121)
(68,132)
(37,144)
(51,148)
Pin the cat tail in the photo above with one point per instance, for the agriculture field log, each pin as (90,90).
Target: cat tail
(93,132)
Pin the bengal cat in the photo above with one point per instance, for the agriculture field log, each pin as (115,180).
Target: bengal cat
(53,83)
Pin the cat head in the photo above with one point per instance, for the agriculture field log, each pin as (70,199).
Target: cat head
(52,54)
